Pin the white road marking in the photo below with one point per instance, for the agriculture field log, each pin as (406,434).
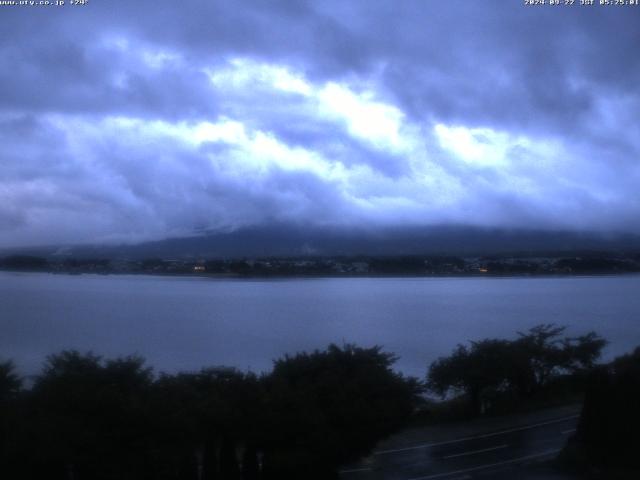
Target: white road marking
(473,452)
(567,432)
(475,437)
(489,465)
(354,470)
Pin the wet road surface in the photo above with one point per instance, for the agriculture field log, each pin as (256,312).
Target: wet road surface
(494,454)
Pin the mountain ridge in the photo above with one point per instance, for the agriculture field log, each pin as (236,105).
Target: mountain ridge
(294,241)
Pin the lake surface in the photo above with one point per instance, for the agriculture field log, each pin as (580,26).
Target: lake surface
(184,323)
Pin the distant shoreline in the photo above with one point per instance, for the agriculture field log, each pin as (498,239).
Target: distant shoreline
(604,263)
(235,276)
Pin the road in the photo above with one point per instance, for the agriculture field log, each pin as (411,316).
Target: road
(474,453)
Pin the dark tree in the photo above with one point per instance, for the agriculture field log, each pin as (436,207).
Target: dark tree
(10,385)
(485,367)
(581,353)
(88,417)
(547,355)
(514,368)
(606,441)
(543,351)
(208,418)
(10,382)
(331,407)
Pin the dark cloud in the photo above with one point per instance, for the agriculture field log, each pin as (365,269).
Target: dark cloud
(136,120)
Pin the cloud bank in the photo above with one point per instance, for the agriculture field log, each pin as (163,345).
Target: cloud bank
(131,121)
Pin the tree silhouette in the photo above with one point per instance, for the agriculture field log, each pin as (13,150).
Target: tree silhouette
(330,407)
(10,382)
(209,417)
(89,416)
(606,442)
(10,386)
(517,368)
(483,367)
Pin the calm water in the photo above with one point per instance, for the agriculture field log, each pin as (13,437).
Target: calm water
(186,323)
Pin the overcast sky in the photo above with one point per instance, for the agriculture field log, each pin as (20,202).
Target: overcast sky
(135,120)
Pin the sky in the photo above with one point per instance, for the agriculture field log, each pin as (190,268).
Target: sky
(127,121)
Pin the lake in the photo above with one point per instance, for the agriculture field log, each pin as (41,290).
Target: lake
(184,323)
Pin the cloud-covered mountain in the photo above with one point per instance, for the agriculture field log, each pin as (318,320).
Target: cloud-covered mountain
(130,121)
(297,241)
